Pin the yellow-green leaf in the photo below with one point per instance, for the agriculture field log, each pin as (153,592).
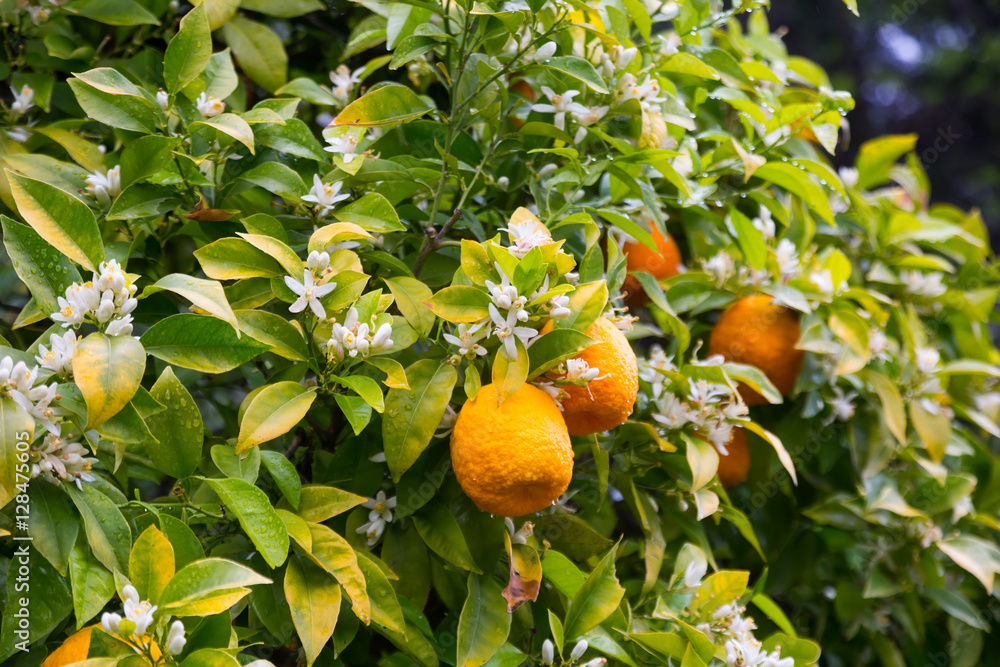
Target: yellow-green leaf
(314,599)
(273,412)
(383,106)
(107,370)
(335,555)
(151,564)
(205,294)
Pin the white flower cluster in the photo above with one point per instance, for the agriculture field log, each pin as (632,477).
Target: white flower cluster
(17,382)
(106,300)
(134,626)
(59,458)
(709,409)
(579,649)
(378,518)
(105,187)
(58,357)
(358,339)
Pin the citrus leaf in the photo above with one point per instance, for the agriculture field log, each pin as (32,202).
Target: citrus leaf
(200,343)
(273,412)
(151,564)
(107,370)
(383,106)
(412,415)
(205,579)
(258,51)
(484,623)
(596,600)
(205,294)
(108,534)
(460,303)
(178,427)
(60,218)
(442,534)
(189,51)
(335,555)
(314,599)
(256,515)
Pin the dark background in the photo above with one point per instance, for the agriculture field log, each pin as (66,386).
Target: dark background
(930,67)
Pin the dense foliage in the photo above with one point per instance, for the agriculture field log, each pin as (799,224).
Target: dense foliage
(245,310)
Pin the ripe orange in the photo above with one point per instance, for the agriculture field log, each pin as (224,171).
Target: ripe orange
(663,263)
(607,402)
(514,458)
(757,332)
(734,467)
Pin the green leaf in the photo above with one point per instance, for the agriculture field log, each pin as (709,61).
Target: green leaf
(49,604)
(892,404)
(108,533)
(460,303)
(751,241)
(207,657)
(484,623)
(876,157)
(258,51)
(551,349)
(797,182)
(314,600)
(220,75)
(80,150)
(200,343)
(60,218)
(586,303)
(284,475)
(934,429)
(308,90)
(412,415)
(145,156)
(509,374)
(189,51)
(596,600)
(357,411)
(283,9)
(178,427)
(319,503)
(143,200)
(256,515)
(273,412)
(385,605)
(285,340)
(46,271)
(105,98)
(187,547)
(579,69)
(294,138)
(151,564)
(232,125)
(234,258)
(113,12)
(383,106)
(372,212)
(442,534)
(16,426)
(719,589)
(365,387)
(198,584)
(277,179)
(236,466)
(205,294)
(957,605)
(93,585)
(411,296)
(335,555)
(54,524)
(107,370)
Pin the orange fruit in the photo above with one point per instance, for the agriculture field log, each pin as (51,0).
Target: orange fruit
(607,402)
(73,650)
(662,263)
(734,467)
(513,458)
(757,332)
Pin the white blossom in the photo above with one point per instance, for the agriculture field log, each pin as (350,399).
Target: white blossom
(508,332)
(927,359)
(379,516)
(545,51)
(694,573)
(105,187)
(175,638)
(309,293)
(526,235)
(324,195)
(923,284)
(721,267)
(162,98)
(548,652)
(842,405)
(578,650)
(467,340)
(22,100)
(788,259)
(505,296)
(344,80)
(209,106)
(586,118)
(561,104)
(345,145)
(764,223)
(58,356)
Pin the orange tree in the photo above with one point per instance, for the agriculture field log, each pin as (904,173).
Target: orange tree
(244,352)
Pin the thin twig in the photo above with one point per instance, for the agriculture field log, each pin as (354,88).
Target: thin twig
(434,240)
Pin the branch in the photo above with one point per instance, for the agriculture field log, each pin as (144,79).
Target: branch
(434,240)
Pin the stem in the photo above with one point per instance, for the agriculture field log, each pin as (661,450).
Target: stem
(433,241)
